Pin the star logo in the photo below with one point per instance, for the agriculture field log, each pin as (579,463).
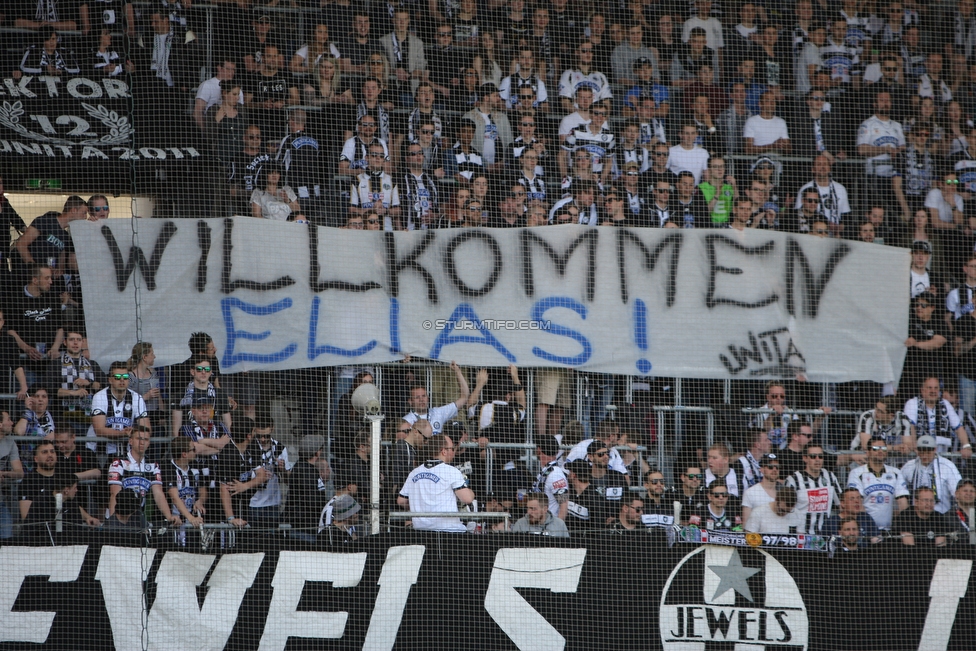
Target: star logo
(733,576)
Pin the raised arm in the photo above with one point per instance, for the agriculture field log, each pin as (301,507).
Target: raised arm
(463,383)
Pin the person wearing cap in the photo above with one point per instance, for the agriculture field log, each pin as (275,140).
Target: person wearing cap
(645,87)
(932,471)
(923,281)
(766,132)
(631,49)
(492,133)
(881,486)
(260,36)
(939,419)
(923,524)
(208,437)
(436,486)
(965,503)
(586,509)
(202,384)
(551,479)
(306,488)
(777,516)
(764,491)
(852,506)
(539,520)
(341,513)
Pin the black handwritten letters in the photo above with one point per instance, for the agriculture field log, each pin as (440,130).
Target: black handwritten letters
(702,304)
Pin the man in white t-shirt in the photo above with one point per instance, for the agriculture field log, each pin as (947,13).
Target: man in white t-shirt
(208,93)
(704,19)
(436,487)
(687,156)
(420,404)
(778,516)
(765,491)
(766,132)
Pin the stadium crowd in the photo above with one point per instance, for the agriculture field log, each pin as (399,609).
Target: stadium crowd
(836,119)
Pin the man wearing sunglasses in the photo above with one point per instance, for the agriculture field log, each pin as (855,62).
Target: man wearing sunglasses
(765,491)
(658,501)
(690,493)
(717,515)
(817,490)
(202,372)
(116,410)
(882,486)
(608,482)
(630,515)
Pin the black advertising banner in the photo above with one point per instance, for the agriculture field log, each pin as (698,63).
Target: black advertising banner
(446,591)
(82,130)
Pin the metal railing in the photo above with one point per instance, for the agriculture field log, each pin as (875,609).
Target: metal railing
(463,515)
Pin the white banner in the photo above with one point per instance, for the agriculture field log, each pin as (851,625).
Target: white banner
(684,303)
